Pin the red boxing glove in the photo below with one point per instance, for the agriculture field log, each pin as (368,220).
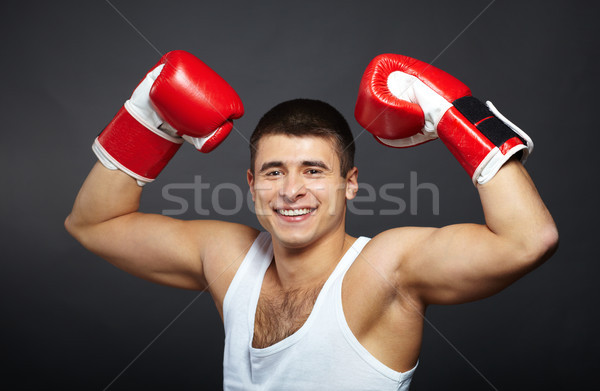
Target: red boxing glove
(405,102)
(181,98)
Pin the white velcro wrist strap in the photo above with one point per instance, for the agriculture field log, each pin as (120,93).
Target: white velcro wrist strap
(495,158)
(529,148)
(493,163)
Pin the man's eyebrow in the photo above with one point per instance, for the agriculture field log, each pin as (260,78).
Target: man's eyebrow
(316,163)
(271,164)
(306,163)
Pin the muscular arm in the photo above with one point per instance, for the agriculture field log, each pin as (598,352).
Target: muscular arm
(140,140)
(465,262)
(462,262)
(105,219)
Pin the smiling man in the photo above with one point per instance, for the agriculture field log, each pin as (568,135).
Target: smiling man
(306,306)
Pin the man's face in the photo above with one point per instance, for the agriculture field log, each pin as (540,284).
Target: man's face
(299,193)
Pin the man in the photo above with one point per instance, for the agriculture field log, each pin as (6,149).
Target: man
(304,304)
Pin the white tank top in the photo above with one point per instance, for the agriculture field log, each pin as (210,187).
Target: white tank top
(322,355)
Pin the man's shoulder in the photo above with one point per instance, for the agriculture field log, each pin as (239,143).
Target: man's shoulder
(390,248)
(380,272)
(399,239)
(227,246)
(220,243)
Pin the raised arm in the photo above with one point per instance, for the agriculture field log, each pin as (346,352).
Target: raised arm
(180,98)
(466,262)
(405,102)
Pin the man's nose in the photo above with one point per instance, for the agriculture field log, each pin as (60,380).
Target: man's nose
(293,187)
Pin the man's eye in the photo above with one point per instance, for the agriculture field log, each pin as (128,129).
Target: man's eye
(274,173)
(314,171)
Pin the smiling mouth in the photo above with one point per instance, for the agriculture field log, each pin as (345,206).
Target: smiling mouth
(295,212)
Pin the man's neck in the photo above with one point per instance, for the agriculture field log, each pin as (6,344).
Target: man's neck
(310,265)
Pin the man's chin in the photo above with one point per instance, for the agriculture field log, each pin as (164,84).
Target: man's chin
(293,240)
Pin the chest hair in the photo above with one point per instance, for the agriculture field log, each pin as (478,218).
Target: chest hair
(280,314)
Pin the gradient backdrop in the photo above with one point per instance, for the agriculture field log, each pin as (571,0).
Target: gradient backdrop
(72,321)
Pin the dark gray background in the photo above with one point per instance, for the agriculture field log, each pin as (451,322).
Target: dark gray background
(72,321)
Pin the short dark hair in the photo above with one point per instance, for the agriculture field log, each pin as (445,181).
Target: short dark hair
(307,117)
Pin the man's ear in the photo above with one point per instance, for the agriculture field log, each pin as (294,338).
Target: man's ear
(351,183)
(250,178)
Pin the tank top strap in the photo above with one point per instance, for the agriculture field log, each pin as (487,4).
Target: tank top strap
(256,261)
(349,257)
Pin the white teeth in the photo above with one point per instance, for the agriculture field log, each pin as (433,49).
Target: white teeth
(294,212)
